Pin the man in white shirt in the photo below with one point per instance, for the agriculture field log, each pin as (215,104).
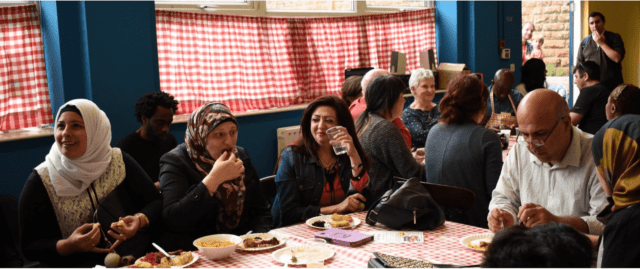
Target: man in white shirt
(549,175)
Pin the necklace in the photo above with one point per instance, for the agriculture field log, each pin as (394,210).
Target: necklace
(327,165)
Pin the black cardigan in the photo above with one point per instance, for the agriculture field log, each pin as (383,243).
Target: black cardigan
(190,211)
(39,228)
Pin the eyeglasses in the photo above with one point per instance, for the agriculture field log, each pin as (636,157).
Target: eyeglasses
(537,142)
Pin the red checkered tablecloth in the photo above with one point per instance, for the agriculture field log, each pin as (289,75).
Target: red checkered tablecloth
(441,245)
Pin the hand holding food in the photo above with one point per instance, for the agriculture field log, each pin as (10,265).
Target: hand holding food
(226,168)
(83,239)
(351,204)
(127,227)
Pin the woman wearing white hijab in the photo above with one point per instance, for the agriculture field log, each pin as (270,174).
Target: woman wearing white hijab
(59,198)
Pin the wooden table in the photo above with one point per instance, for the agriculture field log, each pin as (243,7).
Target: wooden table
(440,246)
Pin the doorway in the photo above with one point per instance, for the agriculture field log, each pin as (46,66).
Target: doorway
(553,24)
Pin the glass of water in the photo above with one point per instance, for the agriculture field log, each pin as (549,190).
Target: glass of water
(339,148)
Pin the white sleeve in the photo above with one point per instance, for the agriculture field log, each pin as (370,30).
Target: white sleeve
(506,195)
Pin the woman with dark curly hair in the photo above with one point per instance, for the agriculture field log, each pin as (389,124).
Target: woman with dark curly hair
(533,76)
(311,178)
(623,100)
(459,141)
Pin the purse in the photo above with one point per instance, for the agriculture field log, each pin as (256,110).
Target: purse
(108,211)
(409,206)
(502,120)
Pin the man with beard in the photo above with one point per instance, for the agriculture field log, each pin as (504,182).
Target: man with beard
(152,140)
(606,49)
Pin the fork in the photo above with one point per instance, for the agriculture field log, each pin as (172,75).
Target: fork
(162,251)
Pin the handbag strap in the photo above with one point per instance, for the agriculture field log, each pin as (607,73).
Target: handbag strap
(493,107)
(372,215)
(512,104)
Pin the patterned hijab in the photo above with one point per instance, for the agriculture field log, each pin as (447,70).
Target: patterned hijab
(231,193)
(72,177)
(616,153)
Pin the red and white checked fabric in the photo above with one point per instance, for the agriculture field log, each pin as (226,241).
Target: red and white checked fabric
(253,63)
(441,245)
(24,94)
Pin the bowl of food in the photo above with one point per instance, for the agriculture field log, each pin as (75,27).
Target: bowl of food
(217,246)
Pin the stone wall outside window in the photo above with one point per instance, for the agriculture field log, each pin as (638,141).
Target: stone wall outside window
(551,20)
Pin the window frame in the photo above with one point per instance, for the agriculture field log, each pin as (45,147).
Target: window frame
(259,8)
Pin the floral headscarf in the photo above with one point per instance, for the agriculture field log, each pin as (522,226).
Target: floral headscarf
(231,193)
(616,153)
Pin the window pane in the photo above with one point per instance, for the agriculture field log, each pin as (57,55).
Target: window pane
(396,3)
(319,5)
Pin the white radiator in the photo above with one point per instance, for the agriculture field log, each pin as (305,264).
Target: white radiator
(286,136)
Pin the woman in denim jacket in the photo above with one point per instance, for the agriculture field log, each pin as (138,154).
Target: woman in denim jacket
(311,178)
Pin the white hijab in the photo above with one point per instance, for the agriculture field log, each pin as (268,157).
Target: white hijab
(72,177)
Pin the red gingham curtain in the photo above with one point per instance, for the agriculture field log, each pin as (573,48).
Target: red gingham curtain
(24,95)
(253,63)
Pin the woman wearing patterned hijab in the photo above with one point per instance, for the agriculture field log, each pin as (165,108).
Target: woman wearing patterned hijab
(208,184)
(616,153)
(61,194)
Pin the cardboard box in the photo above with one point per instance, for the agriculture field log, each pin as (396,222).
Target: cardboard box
(447,71)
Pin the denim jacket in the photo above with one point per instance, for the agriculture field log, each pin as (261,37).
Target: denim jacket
(299,182)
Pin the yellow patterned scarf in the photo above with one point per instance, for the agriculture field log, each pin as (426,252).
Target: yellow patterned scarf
(616,153)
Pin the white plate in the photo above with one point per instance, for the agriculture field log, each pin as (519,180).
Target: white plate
(469,238)
(263,236)
(193,254)
(327,218)
(303,254)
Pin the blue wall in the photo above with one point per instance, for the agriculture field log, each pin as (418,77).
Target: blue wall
(467,32)
(106,51)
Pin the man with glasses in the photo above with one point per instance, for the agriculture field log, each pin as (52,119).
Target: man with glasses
(589,112)
(549,175)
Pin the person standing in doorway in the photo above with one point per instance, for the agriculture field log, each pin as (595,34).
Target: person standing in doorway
(604,48)
(527,47)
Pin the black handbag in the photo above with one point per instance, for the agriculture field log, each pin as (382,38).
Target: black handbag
(409,206)
(108,211)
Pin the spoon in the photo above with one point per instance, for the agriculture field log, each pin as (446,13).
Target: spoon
(162,251)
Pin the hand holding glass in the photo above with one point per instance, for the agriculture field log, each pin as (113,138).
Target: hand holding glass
(340,148)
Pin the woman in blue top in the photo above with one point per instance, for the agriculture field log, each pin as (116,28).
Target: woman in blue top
(311,178)
(423,113)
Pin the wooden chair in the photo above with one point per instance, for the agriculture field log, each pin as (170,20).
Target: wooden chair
(269,190)
(447,196)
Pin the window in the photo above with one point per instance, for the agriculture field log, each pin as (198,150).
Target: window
(24,95)
(399,4)
(261,62)
(318,5)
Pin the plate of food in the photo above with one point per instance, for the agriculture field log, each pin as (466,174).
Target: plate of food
(159,260)
(333,221)
(477,242)
(300,255)
(259,242)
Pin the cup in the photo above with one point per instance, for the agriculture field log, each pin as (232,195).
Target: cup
(339,148)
